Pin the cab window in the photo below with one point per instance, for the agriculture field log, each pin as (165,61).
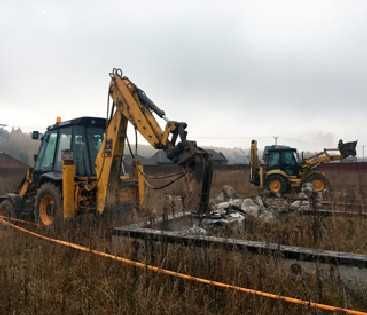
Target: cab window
(65,136)
(47,153)
(80,152)
(288,158)
(274,159)
(95,139)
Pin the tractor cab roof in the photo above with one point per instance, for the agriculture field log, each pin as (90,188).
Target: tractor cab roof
(277,148)
(86,121)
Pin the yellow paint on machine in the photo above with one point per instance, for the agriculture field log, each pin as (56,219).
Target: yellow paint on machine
(139,174)
(68,189)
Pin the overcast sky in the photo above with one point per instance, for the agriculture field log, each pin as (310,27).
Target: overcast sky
(233,70)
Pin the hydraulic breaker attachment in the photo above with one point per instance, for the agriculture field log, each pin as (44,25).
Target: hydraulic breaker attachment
(197,161)
(139,175)
(256,171)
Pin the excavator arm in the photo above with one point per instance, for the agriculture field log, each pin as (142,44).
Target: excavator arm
(130,104)
(342,152)
(323,157)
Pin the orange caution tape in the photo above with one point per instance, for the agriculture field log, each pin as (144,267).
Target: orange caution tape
(186,277)
(19,220)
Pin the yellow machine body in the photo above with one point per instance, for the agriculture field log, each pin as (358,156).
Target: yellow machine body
(68,189)
(275,177)
(105,185)
(110,190)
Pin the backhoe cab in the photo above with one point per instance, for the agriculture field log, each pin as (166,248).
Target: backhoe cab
(81,137)
(40,193)
(283,171)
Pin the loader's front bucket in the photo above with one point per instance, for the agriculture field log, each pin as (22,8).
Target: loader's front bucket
(347,149)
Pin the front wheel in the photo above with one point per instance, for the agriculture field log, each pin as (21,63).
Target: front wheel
(276,184)
(318,182)
(47,208)
(7,209)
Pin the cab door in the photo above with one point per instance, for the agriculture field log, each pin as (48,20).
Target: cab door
(64,143)
(46,156)
(288,163)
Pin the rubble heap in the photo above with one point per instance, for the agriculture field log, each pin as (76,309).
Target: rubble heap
(228,208)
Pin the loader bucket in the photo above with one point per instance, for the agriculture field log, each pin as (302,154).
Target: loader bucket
(347,149)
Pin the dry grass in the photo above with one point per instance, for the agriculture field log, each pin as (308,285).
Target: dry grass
(40,278)
(333,233)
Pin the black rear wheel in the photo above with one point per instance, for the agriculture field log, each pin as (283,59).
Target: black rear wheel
(47,208)
(276,184)
(318,181)
(7,208)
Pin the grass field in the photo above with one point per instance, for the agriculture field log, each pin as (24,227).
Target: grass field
(40,278)
(333,233)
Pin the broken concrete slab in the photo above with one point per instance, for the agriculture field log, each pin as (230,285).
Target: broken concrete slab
(195,230)
(260,202)
(267,216)
(229,192)
(225,219)
(250,207)
(300,205)
(235,203)
(219,197)
(279,204)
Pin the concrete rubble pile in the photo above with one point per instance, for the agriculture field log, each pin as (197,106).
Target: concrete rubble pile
(227,207)
(195,230)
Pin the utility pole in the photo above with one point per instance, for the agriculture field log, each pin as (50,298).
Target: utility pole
(276,140)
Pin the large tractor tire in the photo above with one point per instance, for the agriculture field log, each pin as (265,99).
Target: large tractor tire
(7,209)
(276,184)
(47,207)
(318,182)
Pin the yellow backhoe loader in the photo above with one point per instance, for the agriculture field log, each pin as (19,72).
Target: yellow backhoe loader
(78,168)
(283,171)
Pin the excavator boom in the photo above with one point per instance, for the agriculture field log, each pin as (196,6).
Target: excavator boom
(343,151)
(130,104)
